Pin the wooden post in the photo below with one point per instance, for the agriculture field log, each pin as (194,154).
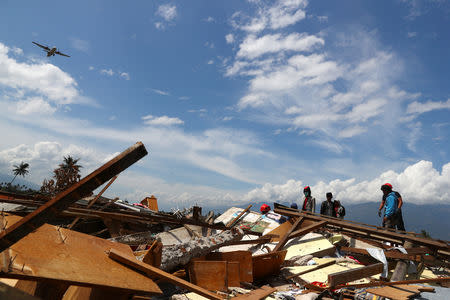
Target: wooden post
(285,238)
(62,200)
(235,220)
(155,272)
(93,201)
(354,274)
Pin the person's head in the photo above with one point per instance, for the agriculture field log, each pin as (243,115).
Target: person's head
(294,206)
(307,191)
(337,203)
(386,188)
(264,208)
(329,196)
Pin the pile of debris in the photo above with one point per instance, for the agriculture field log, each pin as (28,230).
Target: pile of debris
(79,246)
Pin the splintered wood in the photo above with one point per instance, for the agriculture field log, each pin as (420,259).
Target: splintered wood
(67,256)
(80,189)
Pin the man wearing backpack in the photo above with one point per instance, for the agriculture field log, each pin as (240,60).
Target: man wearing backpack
(399,216)
(391,206)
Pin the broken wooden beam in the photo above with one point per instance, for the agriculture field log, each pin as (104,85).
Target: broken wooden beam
(155,272)
(285,238)
(258,294)
(312,269)
(77,191)
(393,283)
(93,200)
(354,274)
(307,229)
(371,230)
(388,254)
(238,217)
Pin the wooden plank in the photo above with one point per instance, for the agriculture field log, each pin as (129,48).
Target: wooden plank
(233,274)
(211,275)
(153,255)
(77,191)
(305,230)
(393,283)
(66,256)
(243,257)
(267,264)
(354,274)
(155,272)
(312,269)
(238,217)
(258,294)
(388,254)
(285,237)
(92,202)
(390,292)
(281,230)
(383,232)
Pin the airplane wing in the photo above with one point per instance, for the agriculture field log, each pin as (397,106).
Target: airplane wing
(43,47)
(57,52)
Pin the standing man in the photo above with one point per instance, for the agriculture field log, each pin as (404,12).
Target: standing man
(399,215)
(309,203)
(327,207)
(391,206)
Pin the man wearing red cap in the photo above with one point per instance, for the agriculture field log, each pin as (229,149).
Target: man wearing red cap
(398,215)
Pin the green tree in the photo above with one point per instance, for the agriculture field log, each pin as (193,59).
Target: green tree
(21,169)
(67,173)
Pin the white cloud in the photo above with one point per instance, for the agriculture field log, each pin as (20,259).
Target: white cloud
(161,121)
(159,25)
(167,11)
(276,15)
(227,118)
(420,108)
(184,98)
(108,72)
(419,183)
(125,75)
(229,38)
(34,105)
(160,92)
(210,62)
(253,47)
(210,19)
(91,68)
(80,44)
(17,51)
(209,45)
(43,79)
(412,34)
(45,156)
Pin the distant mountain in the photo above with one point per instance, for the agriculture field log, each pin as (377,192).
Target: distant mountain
(18,180)
(433,218)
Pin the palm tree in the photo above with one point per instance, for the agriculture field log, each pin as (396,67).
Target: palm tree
(21,170)
(70,164)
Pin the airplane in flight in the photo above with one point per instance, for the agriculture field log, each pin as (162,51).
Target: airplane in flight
(50,51)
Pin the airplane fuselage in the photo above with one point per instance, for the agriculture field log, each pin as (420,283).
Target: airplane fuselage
(51,52)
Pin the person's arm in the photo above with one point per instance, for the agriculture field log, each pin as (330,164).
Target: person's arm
(400,202)
(313,205)
(382,204)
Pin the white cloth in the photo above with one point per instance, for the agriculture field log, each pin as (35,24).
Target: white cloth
(378,254)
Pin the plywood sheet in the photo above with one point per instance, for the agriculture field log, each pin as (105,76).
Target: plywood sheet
(211,275)
(233,277)
(73,257)
(243,257)
(390,292)
(322,274)
(310,244)
(268,264)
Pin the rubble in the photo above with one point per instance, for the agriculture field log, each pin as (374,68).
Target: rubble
(79,246)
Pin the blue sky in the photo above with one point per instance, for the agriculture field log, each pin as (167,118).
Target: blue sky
(235,100)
